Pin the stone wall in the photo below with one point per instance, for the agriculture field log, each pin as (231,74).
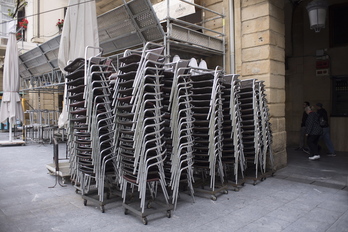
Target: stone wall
(260,54)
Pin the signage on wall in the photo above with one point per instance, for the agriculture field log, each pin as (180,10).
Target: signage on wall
(177,9)
(322,66)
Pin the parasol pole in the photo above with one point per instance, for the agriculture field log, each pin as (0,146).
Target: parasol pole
(10,129)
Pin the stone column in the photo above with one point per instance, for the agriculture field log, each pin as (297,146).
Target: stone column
(260,54)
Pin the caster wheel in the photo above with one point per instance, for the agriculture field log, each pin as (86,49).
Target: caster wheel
(85,202)
(76,191)
(213,197)
(102,209)
(144,219)
(225,191)
(125,211)
(169,214)
(148,205)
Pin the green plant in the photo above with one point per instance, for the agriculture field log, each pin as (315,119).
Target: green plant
(19,36)
(20,4)
(23,23)
(60,23)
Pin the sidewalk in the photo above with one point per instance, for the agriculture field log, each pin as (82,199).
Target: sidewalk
(304,196)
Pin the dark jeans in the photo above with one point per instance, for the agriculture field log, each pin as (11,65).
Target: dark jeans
(312,142)
(327,140)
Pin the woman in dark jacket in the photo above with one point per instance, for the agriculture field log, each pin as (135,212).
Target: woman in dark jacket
(313,132)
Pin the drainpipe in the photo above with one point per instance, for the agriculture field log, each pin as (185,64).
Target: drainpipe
(231,14)
(38,18)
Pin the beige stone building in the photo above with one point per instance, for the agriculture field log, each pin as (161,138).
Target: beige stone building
(271,40)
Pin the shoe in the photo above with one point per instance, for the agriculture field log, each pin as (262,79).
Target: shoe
(306,151)
(331,154)
(314,157)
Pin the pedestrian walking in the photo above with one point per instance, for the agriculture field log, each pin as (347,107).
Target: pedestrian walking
(324,123)
(313,133)
(302,144)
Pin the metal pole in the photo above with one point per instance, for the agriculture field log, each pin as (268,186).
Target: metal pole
(10,130)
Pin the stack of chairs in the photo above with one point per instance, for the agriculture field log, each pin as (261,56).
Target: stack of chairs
(100,120)
(266,155)
(232,155)
(90,135)
(181,128)
(139,127)
(207,131)
(256,129)
(168,75)
(78,137)
(250,126)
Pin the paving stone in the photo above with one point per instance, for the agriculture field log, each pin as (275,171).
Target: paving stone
(340,225)
(320,214)
(266,224)
(303,204)
(222,224)
(334,205)
(286,213)
(306,225)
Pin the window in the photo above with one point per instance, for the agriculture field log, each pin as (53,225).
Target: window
(338,18)
(340,96)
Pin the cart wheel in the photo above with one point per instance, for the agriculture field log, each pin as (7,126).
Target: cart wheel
(225,191)
(169,214)
(148,205)
(125,211)
(144,219)
(102,209)
(213,197)
(84,202)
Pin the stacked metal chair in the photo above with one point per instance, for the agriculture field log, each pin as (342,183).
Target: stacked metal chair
(207,131)
(232,155)
(166,90)
(139,128)
(90,135)
(250,125)
(181,127)
(78,137)
(100,120)
(266,154)
(256,128)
